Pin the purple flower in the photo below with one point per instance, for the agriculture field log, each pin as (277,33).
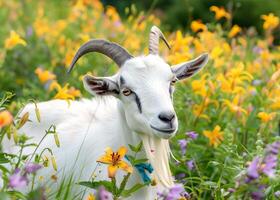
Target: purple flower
(270,163)
(32,168)
(231,190)
(193,135)
(252,170)
(104,194)
(273,148)
(180,176)
(258,195)
(17,180)
(174,193)
(277,194)
(190,165)
(183,145)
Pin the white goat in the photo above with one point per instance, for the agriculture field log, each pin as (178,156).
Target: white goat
(131,106)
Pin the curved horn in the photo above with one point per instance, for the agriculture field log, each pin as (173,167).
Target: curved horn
(114,51)
(155,35)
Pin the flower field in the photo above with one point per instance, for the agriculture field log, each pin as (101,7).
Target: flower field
(228,142)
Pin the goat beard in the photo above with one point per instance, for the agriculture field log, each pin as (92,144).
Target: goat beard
(158,152)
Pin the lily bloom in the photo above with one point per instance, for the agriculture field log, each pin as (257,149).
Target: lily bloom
(5,118)
(13,40)
(266,117)
(115,162)
(220,12)
(270,21)
(215,137)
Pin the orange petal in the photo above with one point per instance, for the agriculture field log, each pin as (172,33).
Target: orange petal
(122,151)
(125,166)
(112,171)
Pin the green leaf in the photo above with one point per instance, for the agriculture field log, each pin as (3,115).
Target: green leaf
(139,146)
(132,148)
(96,184)
(3,158)
(136,148)
(4,196)
(127,193)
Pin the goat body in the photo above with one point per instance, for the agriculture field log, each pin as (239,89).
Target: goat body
(85,128)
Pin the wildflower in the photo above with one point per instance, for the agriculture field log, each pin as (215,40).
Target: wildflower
(234,31)
(270,21)
(103,194)
(54,163)
(270,163)
(174,193)
(32,168)
(215,137)
(17,180)
(190,165)
(252,170)
(44,75)
(74,92)
(220,12)
(192,135)
(62,92)
(234,105)
(277,194)
(273,148)
(5,118)
(266,117)
(115,162)
(183,145)
(180,176)
(13,40)
(257,195)
(90,197)
(197,26)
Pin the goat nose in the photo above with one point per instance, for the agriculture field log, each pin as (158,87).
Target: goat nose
(166,117)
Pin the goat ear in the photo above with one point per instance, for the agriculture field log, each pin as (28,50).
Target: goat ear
(187,69)
(100,85)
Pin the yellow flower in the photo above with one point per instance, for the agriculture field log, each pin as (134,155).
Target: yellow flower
(197,26)
(62,92)
(220,12)
(215,137)
(234,31)
(115,162)
(44,75)
(74,92)
(5,118)
(266,117)
(270,21)
(13,40)
(276,103)
(90,197)
(234,105)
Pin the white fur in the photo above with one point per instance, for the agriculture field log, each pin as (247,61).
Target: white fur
(86,127)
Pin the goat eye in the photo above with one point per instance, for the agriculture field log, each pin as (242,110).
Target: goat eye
(173,81)
(126,92)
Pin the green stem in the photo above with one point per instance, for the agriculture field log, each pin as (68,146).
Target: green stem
(38,146)
(19,157)
(115,189)
(123,183)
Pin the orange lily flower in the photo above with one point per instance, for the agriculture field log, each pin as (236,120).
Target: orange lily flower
(215,137)
(5,118)
(115,162)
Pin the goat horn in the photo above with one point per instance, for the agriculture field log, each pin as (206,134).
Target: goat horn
(155,35)
(114,51)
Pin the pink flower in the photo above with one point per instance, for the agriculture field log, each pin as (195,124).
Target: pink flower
(17,180)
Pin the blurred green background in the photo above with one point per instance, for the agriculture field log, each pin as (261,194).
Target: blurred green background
(178,14)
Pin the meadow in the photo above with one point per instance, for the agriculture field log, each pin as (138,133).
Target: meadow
(227,145)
